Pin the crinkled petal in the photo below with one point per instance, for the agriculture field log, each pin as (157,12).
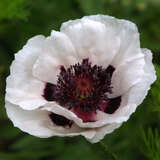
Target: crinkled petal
(105,41)
(130,100)
(92,39)
(150,75)
(94,134)
(102,131)
(57,50)
(127,58)
(34,122)
(22,88)
(135,95)
(37,123)
(127,75)
(126,32)
(57,109)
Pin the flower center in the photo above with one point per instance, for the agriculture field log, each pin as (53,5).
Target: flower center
(82,88)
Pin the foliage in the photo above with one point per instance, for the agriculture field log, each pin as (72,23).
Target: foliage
(13,10)
(155,91)
(152,144)
(22,19)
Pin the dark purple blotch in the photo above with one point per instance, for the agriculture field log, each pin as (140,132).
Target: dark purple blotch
(113,105)
(60,120)
(49,92)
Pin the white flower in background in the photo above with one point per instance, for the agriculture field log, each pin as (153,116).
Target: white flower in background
(84,80)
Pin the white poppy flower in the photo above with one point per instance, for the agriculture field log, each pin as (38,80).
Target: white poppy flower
(85,80)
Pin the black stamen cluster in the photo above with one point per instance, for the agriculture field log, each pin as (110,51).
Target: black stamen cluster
(67,94)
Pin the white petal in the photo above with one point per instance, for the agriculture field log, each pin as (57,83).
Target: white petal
(105,41)
(22,88)
(57,51)
(149,68)
(130,100)
(33,122)
(102,118)
(102,131)
(55,108)
(38,123)
(140,90)
(92,40)
(87,129)
(126,75)
(127,34)
(134,96)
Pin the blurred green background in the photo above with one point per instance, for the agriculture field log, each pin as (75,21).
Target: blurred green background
(138,138)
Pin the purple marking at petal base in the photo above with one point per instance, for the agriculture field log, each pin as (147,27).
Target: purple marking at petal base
(85,116)
(60,120)
(49,92)
(113,105)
